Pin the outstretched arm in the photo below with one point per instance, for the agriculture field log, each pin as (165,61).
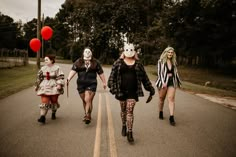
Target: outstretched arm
(71,75)
(102,77)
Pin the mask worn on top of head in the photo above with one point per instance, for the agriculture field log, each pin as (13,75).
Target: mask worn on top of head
(129,50)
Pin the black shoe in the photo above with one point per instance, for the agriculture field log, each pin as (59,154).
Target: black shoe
(53,116)
(124,131)
(87,119)
(42,119)
(130,137)
(172,120)
(161,115)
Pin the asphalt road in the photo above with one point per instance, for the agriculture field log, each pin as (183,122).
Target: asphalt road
(203,129)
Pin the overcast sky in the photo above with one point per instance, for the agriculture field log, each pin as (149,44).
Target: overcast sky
(26,10)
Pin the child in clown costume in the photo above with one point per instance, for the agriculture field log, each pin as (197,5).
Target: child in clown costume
(49,85)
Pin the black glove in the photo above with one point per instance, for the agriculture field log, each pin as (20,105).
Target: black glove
(149,98)
(152,92)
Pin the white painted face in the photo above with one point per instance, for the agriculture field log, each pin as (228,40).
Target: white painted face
(87,54)
(47,61)
(129,50)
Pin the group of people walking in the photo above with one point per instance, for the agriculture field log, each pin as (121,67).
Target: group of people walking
(125,82)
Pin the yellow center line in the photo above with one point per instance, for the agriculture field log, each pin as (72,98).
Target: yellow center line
(96,151)
(113,152)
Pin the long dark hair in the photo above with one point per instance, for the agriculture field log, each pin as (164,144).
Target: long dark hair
(80,62)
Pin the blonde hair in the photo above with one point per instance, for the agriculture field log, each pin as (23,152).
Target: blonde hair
(163,57)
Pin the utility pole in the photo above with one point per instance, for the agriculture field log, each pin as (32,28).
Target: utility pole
(43,39)
(38,31)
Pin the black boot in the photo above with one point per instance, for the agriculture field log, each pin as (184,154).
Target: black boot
(42,119)
(87,119)
(124,130)
(172,120)
(53,115)
(161,115)
(130,137)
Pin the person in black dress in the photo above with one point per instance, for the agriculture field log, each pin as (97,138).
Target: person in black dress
(125,82)
(87,68)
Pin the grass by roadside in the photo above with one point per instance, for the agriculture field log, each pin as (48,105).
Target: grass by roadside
(18,78)
(194,80)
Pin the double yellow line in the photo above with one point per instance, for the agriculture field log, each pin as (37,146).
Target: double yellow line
(112,143)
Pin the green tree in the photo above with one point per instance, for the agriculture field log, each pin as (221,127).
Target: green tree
(9,32)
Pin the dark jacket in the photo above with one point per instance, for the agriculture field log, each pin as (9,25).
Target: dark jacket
(114,80)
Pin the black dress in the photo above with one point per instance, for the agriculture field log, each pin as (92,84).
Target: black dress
(128,82)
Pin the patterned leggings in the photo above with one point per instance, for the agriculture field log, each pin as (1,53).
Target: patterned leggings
(127,116)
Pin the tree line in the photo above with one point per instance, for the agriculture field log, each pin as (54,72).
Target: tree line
(201,31)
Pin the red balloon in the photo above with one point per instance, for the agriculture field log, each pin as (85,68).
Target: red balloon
(35,44)
(46,32)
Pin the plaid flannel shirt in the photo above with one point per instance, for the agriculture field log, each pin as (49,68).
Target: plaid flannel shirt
(114,80)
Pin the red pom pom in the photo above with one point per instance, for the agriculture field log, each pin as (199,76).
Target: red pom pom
(47,76)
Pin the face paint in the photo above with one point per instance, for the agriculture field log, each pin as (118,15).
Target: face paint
(129,50)
(47,61)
